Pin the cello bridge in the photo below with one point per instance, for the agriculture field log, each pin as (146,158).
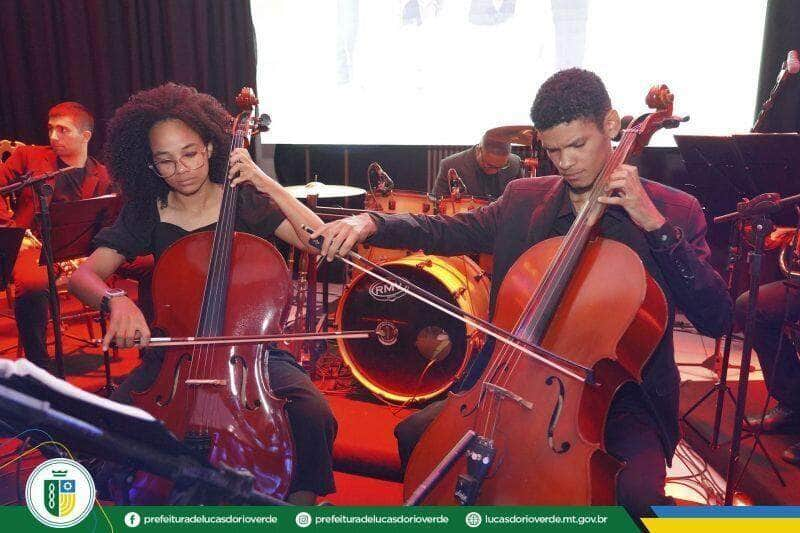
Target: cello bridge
(206,382)
(505,393)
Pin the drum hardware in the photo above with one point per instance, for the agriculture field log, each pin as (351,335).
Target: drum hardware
(386,332)
(433,343)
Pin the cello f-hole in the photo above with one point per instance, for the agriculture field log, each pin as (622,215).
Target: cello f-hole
(162,403)
(243,382)
(565,446)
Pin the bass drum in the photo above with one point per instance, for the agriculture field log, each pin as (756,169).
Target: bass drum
(419,351)
(396,201)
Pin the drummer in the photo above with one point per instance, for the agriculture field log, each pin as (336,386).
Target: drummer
(485,169)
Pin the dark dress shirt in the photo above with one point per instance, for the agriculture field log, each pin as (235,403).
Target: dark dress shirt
(138,229)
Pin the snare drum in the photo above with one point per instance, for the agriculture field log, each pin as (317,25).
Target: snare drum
(450,206)
(397,201)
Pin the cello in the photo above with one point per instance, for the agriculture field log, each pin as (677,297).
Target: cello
(532,433)
(216,398)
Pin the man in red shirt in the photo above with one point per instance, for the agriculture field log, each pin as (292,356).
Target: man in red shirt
(70,127)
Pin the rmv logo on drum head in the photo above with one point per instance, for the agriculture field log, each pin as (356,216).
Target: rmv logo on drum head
(383,292)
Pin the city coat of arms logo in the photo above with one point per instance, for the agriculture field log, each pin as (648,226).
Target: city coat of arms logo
(60,493)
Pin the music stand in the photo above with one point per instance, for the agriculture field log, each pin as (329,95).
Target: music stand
(73,225)
(772,160)
(716,168)
(715,162)
(122,434)
(76,223)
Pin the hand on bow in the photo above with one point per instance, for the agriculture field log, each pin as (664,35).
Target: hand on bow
(341,235)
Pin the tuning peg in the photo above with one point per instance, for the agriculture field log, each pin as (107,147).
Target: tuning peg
(674,122)
(262,123)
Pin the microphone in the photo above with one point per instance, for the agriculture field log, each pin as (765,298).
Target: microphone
(789,68)
(385,182)
(456,184)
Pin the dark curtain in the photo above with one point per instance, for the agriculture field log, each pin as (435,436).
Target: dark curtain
(99,52)
(781,34)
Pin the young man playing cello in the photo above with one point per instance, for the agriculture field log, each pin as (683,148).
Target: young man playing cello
(168,150)
(665,227)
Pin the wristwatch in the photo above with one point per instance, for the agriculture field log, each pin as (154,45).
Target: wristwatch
(110,293)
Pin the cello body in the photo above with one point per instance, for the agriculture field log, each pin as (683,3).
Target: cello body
(561,434)
(235,419)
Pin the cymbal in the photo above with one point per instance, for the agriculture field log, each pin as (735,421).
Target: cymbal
(523,135)
(324,191)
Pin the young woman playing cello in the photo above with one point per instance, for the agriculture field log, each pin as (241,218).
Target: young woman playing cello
(168,149)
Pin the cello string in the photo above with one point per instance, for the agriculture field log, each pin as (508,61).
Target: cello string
(212,305)
(217,270)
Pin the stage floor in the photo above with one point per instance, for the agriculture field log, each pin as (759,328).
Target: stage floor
(366,461)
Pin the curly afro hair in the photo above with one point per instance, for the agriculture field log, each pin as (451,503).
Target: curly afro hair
(568,95)
(127,148)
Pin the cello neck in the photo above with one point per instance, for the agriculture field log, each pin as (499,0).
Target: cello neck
(212,313)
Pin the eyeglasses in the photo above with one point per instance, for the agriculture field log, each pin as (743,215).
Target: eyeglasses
(489,166)
(166,168)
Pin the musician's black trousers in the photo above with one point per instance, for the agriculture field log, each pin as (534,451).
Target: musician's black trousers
(313,425)
(31,306)
(631,436)
(781,369)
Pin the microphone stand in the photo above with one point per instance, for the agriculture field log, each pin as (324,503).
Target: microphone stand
(43,190)
(780,83)
(758,211)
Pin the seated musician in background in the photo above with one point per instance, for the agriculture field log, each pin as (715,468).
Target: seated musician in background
(776,302)
(168,151)
(573,117)
(69,127)
(485,169)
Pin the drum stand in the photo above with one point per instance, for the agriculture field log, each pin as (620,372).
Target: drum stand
(307,353)
(758,211)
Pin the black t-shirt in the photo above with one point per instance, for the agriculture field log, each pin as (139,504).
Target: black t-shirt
(138,229)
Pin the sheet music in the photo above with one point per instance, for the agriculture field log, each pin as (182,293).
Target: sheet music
(25,369)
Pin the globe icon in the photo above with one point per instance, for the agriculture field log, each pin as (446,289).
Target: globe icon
(473,519)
